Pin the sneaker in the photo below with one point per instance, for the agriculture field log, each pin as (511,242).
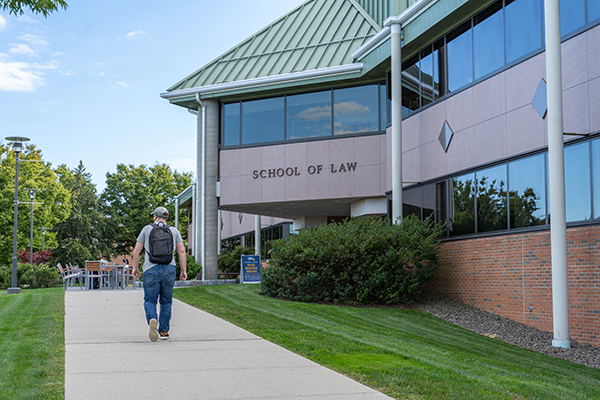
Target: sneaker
(164,335)
(153,332)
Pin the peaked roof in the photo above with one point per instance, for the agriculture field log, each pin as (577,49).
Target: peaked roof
(317,34)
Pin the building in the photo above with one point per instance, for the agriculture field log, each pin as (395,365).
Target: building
(295,125)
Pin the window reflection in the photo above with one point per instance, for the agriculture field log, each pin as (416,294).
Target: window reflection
(577,182)
(460,57)
(527,192)
(355,110)
(411,79)
(384,108)
(441,201)
(593,10)
(491,199)
(428,90)
(461,211)
(523,28)
(488,42)
(428,200)
(572,15)
(411,202)
(262,120)
(596,177)
(308,115)
(231,124)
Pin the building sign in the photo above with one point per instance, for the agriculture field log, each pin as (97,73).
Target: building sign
(250,269)
(311,170)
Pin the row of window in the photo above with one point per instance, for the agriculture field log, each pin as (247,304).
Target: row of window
(511,195)
(501,34)
(325,113)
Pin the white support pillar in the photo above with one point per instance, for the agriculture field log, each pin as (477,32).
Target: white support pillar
(396,122)
(556,162)
(177,212)
(257,235)
(219,228)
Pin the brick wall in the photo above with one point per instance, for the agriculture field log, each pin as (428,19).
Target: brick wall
(511,276)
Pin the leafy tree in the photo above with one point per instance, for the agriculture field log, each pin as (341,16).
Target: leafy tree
(132,193)
(87,233)
(44,7)
(49,192)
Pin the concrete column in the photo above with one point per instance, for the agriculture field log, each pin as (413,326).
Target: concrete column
(211,203)
(556,162)
(198,218)
(396,123)
(257,237)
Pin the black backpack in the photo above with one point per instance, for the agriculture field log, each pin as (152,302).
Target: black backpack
(160,244)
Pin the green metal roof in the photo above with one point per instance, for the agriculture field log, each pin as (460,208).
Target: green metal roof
(317,34)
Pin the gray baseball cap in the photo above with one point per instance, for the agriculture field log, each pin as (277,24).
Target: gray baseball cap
(161,212)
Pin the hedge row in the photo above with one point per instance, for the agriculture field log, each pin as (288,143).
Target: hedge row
(31,276)
(360,261)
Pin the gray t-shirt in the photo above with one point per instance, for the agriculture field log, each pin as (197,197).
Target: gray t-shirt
(144,238)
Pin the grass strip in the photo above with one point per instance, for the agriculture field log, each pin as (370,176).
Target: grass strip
(404,353)
(32,344)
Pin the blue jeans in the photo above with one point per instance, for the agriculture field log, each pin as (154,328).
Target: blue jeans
(158,286)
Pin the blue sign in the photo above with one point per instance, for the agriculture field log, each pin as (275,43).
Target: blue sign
(250,269)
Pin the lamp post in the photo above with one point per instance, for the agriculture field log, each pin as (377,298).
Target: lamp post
(31,196)
(17,148)
(43,235)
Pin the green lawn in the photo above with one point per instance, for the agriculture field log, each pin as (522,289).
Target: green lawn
(32,344)
(406,354)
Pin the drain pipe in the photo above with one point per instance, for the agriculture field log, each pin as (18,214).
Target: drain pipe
(556,163)
(203,189)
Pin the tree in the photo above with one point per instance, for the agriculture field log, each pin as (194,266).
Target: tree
(132,193)
(44,7)
(87,234)
(50,193)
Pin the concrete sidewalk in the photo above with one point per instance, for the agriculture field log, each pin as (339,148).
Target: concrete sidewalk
(109,356)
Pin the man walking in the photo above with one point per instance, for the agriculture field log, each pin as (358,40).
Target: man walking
(160,241)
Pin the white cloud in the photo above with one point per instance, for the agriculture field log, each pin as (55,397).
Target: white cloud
(183,164)
(134,34)
(22,49)
(28,19)
(118,84)
(67,73)
(34,40)
(98,73)
(3,23)
(22,76)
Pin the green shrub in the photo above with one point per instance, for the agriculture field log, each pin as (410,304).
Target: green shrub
(229,261)
(31,276)
(193,267)
(360,261)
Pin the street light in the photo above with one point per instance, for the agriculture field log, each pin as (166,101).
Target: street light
(31,196)
(43,235)
(17,148)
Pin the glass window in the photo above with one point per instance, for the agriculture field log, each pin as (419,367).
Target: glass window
(527,192)
(577,182)
(593,10)
(427,77)
(262,120)
(441,202)
(231,124)
(488,43)
(492,211)
(572,15)
(462,208)
(411,80)
(308,115)
(411,202)
(439,68)
(384,108)
(356,110)
(460,57)
(523,28)
(596,176)
(428,204)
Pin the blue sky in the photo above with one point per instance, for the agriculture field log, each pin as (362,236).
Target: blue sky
(85,83)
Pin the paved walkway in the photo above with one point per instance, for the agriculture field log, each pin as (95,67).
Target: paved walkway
(109,356)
